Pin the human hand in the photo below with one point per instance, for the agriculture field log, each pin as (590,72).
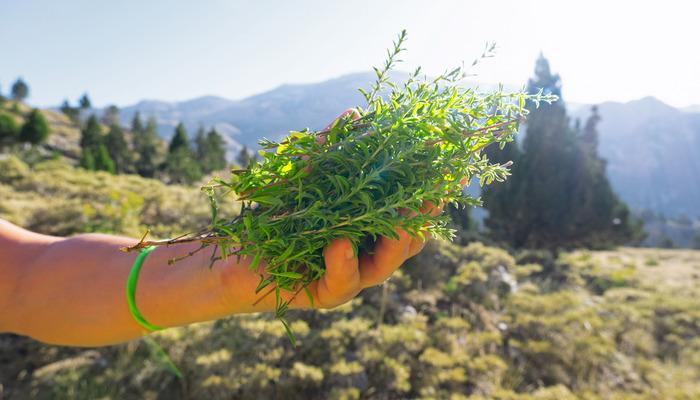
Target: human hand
(346,273)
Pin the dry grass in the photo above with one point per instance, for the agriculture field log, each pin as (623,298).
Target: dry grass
(678,268)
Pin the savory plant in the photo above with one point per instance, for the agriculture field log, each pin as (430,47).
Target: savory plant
(415,142)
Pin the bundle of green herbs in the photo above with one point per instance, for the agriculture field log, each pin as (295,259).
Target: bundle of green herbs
(415,142)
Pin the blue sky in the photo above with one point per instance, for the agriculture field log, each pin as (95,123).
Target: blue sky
(124,51)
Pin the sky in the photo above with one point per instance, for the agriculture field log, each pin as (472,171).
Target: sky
(120,52)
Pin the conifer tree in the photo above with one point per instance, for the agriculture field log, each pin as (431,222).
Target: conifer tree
(499,198)
(180,165)
(87,160)
(91,134)
(200,147)
(558,195)
(179,139)
(602,219)
(118,149)
(35,129)
(137,124)
(84,102)
(210,152)
(243,159)
(216,151)
(19,90)
(103,162)
(146,145)
(94,153)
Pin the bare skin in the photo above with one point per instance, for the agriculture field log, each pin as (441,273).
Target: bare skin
(71,291)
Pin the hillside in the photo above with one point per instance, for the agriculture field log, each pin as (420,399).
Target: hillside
(55,198)
(64,137)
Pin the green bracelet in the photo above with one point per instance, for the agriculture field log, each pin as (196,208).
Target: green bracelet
(131,290)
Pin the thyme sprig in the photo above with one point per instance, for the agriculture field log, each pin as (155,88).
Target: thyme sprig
(415,142)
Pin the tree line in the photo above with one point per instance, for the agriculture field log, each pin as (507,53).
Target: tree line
(106,146)
(146,154)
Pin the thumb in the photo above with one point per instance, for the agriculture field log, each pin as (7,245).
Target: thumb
(341,282)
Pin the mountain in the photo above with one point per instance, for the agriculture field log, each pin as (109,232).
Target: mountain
(652,148)
(271,114)
(653,154)
(692,109)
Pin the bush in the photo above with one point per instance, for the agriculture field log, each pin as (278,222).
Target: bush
(9,130)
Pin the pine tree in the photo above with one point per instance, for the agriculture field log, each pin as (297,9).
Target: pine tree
(546,174)
(118,149)
(200,147)
(210,152)
(92,142)
(216,151)
(84,102)
(19,90)
(602,219)
(499,197)
(146,145)
(558,195)
(180,139)
(136,124)
(35,129)
(87,159)
(91,134)
(103,162)
(180,165)
(243,159)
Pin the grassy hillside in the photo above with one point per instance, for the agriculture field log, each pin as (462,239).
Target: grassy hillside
(64,137)
(455,322)
(53,197)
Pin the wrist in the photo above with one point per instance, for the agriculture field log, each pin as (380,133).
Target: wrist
(184,292)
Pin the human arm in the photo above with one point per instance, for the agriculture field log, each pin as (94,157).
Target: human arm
(71,291)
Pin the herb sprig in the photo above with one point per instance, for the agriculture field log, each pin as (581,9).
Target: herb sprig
(415,142)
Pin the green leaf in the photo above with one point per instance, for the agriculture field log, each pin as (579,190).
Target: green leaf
(289,332)
(291,275)
(309,296)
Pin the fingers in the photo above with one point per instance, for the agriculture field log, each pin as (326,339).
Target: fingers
(354,115)
(341,282)
(388,255)
(350,111)
(417,244)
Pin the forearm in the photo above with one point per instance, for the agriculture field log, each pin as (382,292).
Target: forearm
(72,291)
